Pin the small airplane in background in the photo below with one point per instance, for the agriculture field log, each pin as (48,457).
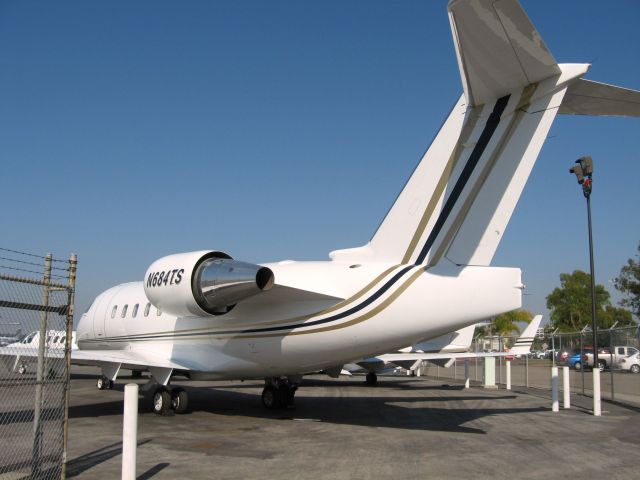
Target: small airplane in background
(22,355)
(426,271)
(410,358)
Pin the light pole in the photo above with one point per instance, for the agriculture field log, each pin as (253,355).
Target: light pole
(583,170)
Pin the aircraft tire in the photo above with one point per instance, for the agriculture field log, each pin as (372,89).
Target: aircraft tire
(371,379)
(287,395)
(101,383)
(161,404)
(271,397)
(22,369)
(179,400)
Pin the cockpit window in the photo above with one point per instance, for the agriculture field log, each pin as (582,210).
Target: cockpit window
(146,309)
(113,311)
(124,311)
(135,310)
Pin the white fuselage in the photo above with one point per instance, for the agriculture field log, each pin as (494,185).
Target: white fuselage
(367,309)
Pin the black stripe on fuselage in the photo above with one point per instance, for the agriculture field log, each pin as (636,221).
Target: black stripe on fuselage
(490,127)
(332,318)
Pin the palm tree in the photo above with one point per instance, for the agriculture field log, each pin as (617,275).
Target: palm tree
(506,323)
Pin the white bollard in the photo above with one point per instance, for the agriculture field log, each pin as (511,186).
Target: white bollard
(508,374)
(597,407)
(555,406)
(566,388)
(130,431)
(466,374)
(490,372)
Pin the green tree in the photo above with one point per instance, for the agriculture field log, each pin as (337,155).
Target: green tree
(611,315)
(507,323)
(570,304)
(628,283)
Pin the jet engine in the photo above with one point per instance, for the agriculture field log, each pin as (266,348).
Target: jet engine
(203,283)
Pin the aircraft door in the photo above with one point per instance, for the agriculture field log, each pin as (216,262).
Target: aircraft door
(101,312)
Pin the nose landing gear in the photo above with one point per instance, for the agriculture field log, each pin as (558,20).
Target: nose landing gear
(104,383)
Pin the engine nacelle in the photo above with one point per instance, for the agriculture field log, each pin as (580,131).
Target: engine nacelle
(203,283)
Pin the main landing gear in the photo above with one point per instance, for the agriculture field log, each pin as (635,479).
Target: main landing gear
(278,393)
(104,383)
(371,379)
(166,400)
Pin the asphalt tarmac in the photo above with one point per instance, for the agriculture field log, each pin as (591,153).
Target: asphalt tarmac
(405,427)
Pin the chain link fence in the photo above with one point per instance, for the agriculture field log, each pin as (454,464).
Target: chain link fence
(617,347)
(36,318)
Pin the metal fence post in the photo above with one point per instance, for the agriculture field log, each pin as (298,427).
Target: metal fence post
(582,359)
(611,357)
(526,370)
(42,343)
(73,263)
(500,361)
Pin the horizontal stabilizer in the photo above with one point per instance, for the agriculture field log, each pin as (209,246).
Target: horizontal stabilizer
(585,97)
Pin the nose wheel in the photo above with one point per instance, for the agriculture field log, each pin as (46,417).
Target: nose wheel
(104,383)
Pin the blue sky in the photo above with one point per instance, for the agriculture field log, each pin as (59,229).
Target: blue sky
(273,130)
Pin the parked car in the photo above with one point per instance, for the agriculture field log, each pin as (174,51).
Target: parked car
(576,359)
(630,363)
(608,359)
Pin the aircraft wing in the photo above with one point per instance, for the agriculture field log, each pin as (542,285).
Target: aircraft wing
(124,358)
(110,361)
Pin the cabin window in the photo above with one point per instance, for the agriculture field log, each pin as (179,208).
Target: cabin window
(124,311)
(159,312)
(146,309)
(113,311)
(135,310)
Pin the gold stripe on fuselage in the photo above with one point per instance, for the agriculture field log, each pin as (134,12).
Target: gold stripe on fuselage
(467,130)
(356,296)
(516,117)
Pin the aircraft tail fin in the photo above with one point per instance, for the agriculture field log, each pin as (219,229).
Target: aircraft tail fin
(522,346)
(460,198)
(458,341)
